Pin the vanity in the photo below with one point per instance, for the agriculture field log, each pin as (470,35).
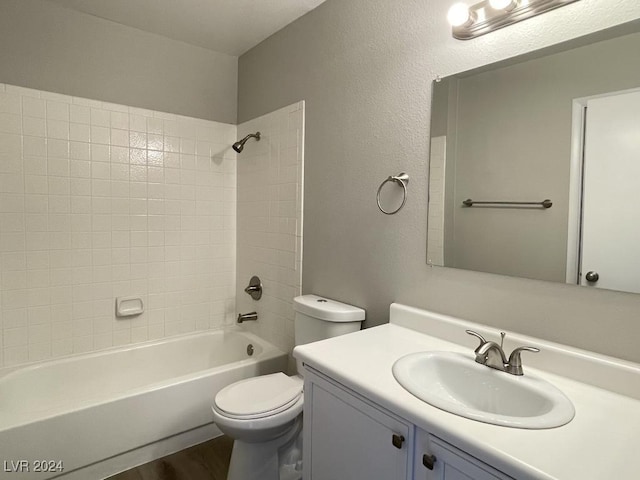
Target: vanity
(361,423)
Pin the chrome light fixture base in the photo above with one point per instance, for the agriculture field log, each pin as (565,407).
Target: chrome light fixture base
(488,19)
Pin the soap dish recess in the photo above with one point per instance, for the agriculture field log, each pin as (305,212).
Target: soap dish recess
(129,306)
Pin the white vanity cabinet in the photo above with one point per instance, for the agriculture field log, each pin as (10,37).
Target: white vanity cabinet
(348,437)
(354,405)
(436,459)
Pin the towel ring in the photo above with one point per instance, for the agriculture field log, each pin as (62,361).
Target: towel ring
(401,179)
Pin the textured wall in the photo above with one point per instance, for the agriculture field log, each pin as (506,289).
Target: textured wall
(364,69)
(98,201)
(47,47)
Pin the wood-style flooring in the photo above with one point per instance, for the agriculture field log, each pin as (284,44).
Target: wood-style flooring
(207,461)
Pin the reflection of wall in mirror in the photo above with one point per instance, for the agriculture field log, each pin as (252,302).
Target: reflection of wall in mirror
(435,226)
(513,133)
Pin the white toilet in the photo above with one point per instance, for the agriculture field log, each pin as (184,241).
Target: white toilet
(264,414)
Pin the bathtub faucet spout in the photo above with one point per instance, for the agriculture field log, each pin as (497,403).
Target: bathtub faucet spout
(247,317)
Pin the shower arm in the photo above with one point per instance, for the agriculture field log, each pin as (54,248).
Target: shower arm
(239,145)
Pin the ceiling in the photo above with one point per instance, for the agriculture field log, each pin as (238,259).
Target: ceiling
(227,26)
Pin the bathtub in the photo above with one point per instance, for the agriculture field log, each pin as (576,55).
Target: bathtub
(88,413)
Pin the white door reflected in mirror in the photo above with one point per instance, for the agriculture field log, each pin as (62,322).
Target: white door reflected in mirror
(611,214)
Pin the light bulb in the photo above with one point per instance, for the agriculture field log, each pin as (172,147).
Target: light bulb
(506,5)
(459,15)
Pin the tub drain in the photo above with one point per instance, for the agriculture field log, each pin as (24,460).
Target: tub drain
(249,349)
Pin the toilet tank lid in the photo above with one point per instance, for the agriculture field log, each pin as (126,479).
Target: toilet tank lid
(327,309)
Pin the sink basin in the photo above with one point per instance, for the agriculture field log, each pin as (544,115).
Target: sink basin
(457,384)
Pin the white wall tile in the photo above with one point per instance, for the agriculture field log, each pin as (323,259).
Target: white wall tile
(33,126)
(10,123)
(101,135)
(33,107)
(100,117)
(10,103)
(57,110)
(80,114)
(92,207)
(269,207)
(79,132)
(34,146)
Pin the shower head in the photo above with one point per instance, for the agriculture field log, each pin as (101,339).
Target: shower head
(239,145)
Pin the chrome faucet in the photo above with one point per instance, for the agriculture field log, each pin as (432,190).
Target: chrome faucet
(492,355)
(247,317)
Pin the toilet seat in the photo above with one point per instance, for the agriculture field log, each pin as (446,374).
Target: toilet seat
(259,397)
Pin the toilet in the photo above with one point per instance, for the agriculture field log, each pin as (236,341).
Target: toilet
(264,414)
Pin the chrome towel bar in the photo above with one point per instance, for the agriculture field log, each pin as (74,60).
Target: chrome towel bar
(544,203)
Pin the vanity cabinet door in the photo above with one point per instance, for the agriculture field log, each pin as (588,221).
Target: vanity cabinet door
(446,462)
(346,438)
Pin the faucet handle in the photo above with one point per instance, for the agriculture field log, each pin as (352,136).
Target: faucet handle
(515,362)
(477,335)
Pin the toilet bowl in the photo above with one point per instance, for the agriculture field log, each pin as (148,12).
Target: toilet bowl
(264,414)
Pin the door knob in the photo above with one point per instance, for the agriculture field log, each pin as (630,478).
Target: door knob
(592,277)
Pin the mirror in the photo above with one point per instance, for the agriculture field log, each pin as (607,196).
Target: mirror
(555,126)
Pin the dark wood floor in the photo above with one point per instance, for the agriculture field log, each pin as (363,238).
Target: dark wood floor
(207,461)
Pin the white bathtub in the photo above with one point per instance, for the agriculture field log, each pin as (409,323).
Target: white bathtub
(86,409)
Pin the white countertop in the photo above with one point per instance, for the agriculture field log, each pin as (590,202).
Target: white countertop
(601,442)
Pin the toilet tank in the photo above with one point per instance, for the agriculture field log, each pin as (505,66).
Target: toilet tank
(318,318)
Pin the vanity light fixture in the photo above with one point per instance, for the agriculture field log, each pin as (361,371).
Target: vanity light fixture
(460,16)
(504,5)
(470,21)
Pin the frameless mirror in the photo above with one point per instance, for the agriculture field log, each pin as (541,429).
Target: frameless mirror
(535,165)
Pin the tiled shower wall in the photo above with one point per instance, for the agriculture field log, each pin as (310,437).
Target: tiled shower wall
(270,193)
(100,200)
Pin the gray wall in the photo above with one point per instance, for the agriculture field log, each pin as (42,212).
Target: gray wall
(47,47)
(514,143)
(364,68)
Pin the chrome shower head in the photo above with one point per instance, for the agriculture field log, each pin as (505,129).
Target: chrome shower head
(239,145)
